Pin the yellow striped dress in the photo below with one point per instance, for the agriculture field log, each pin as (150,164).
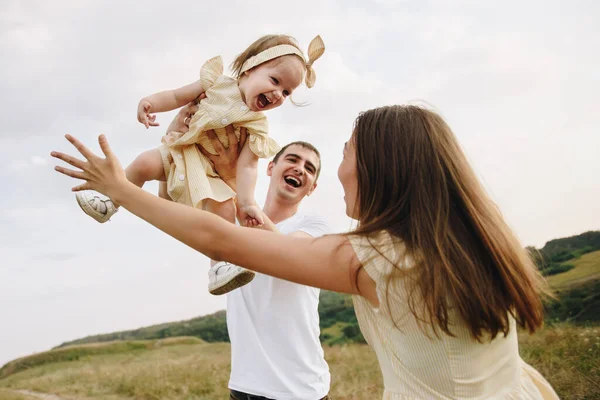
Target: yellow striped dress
(190,175)
(416,365)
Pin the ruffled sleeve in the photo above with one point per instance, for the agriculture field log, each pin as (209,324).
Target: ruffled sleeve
(367,254)
(259,140)
(263,146)
(382,255)
(210,71)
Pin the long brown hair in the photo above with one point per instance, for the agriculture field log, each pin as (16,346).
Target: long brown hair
(415,182)
(259,45)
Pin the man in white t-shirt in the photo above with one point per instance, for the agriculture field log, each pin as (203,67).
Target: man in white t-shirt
(274,324)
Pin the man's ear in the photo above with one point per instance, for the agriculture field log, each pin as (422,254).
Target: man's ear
(312,189)
(270,168)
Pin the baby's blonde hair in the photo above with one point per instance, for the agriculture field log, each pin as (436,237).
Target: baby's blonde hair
(260,45)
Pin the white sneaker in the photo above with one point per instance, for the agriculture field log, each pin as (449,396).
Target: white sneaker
(101,209)
(224,277)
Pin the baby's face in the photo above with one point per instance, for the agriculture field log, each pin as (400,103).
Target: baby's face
(266,86)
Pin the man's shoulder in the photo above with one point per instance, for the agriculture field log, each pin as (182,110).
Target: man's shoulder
(313,224)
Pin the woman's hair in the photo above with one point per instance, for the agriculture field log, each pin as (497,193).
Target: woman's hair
(416,183)
(262,44)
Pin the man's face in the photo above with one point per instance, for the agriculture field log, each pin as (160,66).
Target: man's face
(295,173)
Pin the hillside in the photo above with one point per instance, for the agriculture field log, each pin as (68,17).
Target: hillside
(334,310)
(189,369)
(211,328)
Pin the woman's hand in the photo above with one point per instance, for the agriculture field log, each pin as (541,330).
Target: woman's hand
(104,175)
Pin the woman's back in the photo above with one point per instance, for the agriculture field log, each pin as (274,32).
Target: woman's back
(418,364)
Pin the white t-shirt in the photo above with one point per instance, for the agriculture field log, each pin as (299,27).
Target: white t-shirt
(274,330)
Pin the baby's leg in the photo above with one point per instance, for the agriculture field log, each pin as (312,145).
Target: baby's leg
(224,277)
(225,209)
(162,191)
(148,166)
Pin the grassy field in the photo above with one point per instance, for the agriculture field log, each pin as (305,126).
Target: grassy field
(6,394)
(587,267)
(189,369)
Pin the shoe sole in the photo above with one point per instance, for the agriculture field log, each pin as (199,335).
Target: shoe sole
(233,283)
(88,210)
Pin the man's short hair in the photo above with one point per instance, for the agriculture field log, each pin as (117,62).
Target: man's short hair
(305,145)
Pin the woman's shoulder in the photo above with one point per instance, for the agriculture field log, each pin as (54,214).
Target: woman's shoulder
(381,242)
(380,253)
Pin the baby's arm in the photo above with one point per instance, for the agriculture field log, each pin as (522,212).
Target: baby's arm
(249,212)
(166,101)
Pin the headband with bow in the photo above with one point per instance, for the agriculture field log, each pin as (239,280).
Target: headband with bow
(316,48)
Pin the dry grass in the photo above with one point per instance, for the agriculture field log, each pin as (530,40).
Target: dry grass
(197,371)
(10,395)
(567,356)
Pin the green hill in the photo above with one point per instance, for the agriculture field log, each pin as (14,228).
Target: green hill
(556,255)
(210,328)
(577,245)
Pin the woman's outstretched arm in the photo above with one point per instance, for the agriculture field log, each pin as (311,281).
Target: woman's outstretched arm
(328,262)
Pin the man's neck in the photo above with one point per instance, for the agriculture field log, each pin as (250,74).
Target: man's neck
(278,210)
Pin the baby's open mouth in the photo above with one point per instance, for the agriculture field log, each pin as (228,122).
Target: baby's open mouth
(262,101)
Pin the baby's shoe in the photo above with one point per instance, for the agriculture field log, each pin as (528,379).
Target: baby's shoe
(224,277)
(99,208)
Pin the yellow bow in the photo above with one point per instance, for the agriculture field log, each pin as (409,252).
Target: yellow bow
(316,48)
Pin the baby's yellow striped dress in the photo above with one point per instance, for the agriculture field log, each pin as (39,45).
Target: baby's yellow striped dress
(190,175)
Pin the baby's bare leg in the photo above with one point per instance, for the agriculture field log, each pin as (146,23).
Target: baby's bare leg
(163,191)
(224,277)
(148,166)
(225,209)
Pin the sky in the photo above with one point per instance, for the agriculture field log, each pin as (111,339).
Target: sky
(517,81)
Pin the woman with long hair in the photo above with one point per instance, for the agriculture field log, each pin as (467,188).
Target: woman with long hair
(440,284)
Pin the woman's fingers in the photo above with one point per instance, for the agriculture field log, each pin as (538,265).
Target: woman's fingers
(72,173)
(104,146)
(69,159)
(87,153)
(84,186)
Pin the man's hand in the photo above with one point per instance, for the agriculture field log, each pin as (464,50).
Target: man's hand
(225,162)
(143,114)
(181,122)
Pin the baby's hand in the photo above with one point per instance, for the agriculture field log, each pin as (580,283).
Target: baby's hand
(250,215)
(144,116)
